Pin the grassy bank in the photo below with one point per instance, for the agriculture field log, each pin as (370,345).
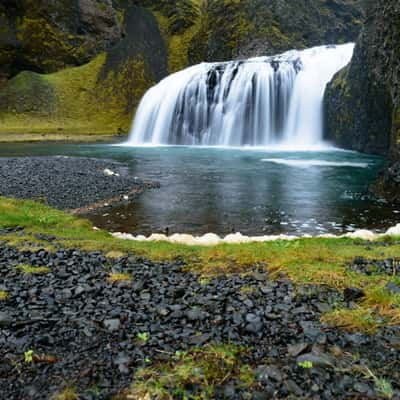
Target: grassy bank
(18,136)
(304,261)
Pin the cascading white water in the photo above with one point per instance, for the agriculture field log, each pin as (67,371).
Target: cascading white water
(257,102)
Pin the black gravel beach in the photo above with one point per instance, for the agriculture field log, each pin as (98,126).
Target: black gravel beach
(84,329)
(69,182)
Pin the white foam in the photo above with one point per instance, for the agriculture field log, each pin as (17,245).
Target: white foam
(314,163)
(211,239)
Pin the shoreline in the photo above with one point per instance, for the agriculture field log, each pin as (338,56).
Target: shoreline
(61,137)
(76,184)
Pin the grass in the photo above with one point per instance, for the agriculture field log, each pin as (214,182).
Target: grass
(119,277)
(194,374)
(305,261)
(30,270)
(3,295)
(49,135)
(69,393)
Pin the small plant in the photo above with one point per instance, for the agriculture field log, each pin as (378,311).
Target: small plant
(3,295)
(382,386)
(143,336)
(69,393)
(194,375)
(204,281)
(305,364)
(247,290)
(180,354)
(119,277)
(30,270)
(28,356)
(115,254)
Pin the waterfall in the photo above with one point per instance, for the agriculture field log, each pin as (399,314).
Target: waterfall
(262,101)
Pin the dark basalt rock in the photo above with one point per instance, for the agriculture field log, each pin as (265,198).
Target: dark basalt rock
(365,266)
(352,294)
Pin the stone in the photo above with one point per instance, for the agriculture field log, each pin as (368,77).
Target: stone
(361,387)
(352,294)
(112,324)
(393,288)
(5,319)
(322,360)
(266,372)
(296,349)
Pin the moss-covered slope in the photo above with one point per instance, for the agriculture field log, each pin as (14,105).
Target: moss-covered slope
(97,97)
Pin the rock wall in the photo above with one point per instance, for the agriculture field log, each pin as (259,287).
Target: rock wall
(46,36)
(362,102)
(81,66)
(248,28)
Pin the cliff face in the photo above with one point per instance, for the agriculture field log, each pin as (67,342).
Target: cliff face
(248,28)
(81,66)
(362,102)
(46,36)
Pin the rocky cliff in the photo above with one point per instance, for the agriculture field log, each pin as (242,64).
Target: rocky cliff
(362,103)
(363,100)
(81,66)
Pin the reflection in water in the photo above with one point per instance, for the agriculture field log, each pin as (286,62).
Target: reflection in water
(224,190)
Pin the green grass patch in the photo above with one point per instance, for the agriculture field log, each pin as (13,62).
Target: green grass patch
(69,393)
(30,270)
(200,370)
(119,277)
(3,295)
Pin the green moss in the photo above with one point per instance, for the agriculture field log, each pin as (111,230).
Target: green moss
(75,100)
(3,295)
(178,44)
(47,47)
(119,277)
(30,270)
(201,370)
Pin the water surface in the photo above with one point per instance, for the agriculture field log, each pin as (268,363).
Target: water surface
(252,191)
